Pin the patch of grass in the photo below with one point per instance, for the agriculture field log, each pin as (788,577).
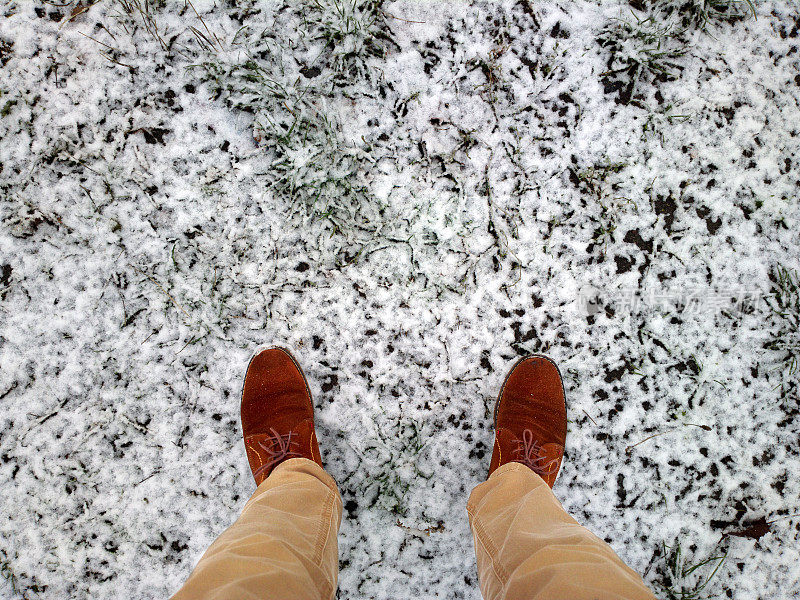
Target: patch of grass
(595,178)
(648,46)
(7,106)
(5,52)
(661,120)
(492,70)
(598,183)
(784,300)
(681,579)
(353,32)
(704,13)
(639,49)
(189,284)
(21,584)
(131,16)
(313,165)
(390,459)
(144,11)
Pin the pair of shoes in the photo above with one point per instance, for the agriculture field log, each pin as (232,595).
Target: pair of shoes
(530,415)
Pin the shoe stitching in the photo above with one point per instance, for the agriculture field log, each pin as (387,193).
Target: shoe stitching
(249,445)
(322,538)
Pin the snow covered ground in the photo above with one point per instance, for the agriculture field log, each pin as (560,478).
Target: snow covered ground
(409,196)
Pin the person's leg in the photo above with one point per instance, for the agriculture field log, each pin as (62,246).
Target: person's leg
(527,546)
(283,546)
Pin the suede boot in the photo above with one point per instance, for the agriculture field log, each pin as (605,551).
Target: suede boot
(277,413)
(530,418)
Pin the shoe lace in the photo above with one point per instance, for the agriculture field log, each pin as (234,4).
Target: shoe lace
(529,453)
(278,449)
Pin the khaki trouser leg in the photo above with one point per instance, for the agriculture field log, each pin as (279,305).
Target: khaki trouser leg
(529,548)
(282,547)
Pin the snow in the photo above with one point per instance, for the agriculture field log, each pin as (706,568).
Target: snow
(471,192)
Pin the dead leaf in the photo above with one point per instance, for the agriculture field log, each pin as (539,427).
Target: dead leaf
(754,530)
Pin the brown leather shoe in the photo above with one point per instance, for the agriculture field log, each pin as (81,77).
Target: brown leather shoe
(277,413)
(530,418)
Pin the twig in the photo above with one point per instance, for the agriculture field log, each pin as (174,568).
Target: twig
(390,15)
(77,11)
(417,531)
(705,427)
(157,471)
(783,518)
(98,41)
(106,56)
(650,437)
